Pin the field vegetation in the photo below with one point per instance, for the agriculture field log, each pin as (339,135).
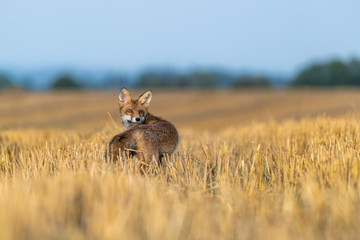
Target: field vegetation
(250,165)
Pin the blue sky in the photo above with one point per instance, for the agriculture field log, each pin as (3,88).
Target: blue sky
(277,35)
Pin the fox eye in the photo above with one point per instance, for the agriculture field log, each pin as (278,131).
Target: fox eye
(141,112)
(128,111)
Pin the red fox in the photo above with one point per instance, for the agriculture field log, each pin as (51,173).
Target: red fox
(149,136)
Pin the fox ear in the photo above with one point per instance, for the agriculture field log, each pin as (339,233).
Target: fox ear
(145,99)
(124,97)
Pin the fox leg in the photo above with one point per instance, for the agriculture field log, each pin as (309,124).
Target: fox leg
(119,144)
(115,148)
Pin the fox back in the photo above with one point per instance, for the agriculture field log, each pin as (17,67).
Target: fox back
(146,135)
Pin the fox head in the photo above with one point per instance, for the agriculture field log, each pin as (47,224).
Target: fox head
(133,112)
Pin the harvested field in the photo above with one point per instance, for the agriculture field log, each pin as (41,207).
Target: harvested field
(250,165)
(188,109)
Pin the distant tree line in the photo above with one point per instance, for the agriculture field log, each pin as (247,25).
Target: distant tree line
(5,81)
(158,79)
(200,80)
(65,82)
(332,73)
(325,74)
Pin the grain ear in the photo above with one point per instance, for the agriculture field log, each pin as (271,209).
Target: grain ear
(124,97)
(145,99)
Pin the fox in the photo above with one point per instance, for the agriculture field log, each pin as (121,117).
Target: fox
(146,136)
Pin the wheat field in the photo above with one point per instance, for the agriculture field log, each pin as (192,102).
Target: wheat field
(249,165)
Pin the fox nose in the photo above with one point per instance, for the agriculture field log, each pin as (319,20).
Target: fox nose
(137,119)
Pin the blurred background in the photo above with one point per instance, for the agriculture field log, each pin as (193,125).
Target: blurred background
(238,58)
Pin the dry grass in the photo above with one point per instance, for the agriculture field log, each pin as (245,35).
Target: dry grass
(288,179)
